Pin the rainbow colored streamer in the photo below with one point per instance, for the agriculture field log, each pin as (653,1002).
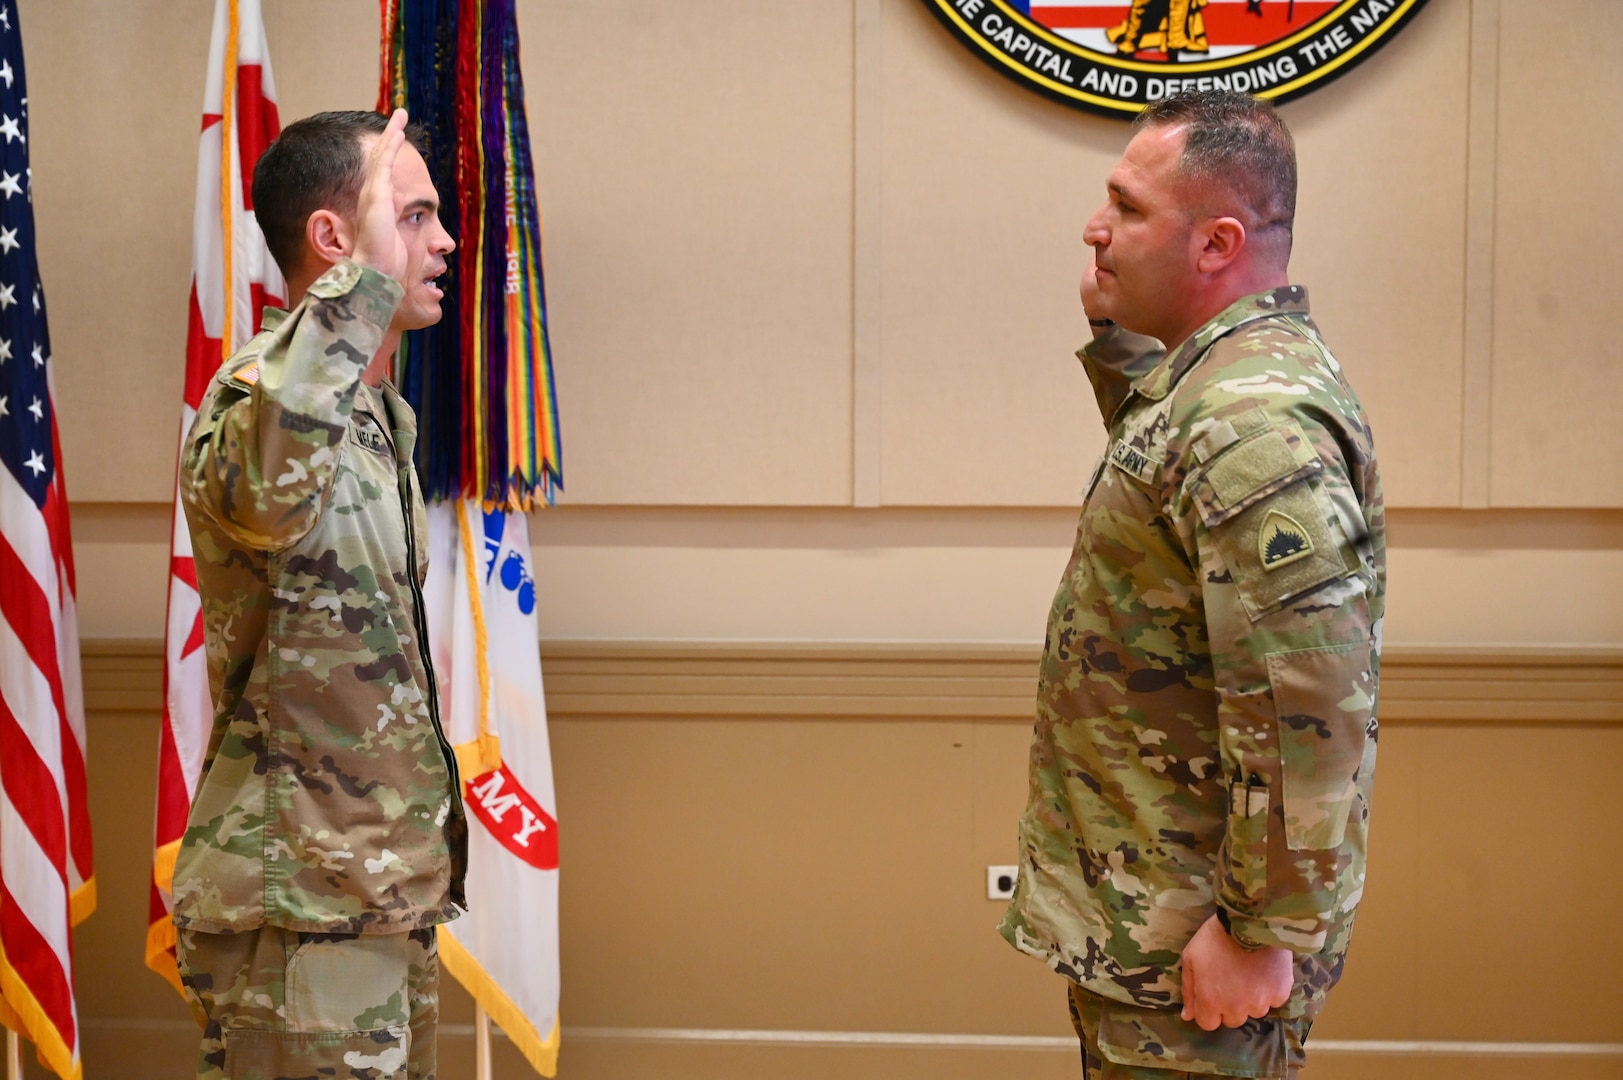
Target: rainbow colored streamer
(481,379)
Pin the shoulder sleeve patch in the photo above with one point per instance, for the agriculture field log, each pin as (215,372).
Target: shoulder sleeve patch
(247,376)
(1257,499)
(1280,547)
(1282,541)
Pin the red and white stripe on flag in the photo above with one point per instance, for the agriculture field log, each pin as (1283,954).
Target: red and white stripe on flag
(480,599)
(46,880)
(233,278)
(47,884)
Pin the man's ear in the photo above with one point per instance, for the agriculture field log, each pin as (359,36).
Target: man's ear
(329,236)
(1221,241)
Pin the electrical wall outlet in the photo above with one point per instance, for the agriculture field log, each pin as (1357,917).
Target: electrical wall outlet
(1000,882)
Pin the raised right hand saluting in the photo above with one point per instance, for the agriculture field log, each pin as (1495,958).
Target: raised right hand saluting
(378,242)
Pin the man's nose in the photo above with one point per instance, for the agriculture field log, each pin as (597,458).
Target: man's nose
(1096,234)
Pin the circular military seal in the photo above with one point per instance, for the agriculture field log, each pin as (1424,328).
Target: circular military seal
(1116,56)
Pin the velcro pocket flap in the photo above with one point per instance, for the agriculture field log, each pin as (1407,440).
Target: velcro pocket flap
(1254,469)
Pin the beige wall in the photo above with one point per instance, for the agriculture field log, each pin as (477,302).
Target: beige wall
(1457,577)
(701,169)
(849,279)
(810,255)
(1556,266)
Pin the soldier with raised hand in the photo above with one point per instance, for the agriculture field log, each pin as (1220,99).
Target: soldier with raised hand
(327,835)
(1193,848)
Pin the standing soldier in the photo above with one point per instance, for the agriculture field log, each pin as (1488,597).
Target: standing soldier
(1192,851)
(327,835)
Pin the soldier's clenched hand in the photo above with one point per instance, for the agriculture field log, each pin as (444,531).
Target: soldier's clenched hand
(378,242)
(1226,984)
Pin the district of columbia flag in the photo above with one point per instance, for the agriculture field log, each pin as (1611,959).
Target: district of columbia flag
(233,279)
(46,882)
(483,636)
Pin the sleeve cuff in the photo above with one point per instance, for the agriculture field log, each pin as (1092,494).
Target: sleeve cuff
(373,295)
(1252,933)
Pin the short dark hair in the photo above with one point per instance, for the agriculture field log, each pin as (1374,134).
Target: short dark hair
(314,164)
(1237,142)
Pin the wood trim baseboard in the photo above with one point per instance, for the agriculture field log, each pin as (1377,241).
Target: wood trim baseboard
(1388,1049)
(1414,1048)
(1516,685)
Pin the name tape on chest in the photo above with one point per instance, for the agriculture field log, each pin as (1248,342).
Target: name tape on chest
(369,437)
(1134,462)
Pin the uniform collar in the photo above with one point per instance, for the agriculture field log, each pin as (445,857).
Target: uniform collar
(1289,300)
(390,412)
(1114,362)
(402,421)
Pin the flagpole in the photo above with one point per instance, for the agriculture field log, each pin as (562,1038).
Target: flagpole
(481,1044)
(14,1056)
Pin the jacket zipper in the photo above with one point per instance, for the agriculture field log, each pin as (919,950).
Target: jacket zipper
(420,625)
(459,859)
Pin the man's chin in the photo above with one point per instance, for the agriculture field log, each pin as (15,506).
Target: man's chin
(1122,316)
(419,318)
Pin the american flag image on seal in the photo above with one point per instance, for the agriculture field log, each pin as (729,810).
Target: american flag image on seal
(1116,56)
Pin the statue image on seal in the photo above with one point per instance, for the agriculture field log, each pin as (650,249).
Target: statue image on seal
(1171,26)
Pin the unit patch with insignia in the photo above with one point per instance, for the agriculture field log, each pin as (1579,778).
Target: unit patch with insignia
(1282,541)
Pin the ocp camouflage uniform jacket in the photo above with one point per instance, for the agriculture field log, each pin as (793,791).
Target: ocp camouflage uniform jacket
(328,799)
(1205,734)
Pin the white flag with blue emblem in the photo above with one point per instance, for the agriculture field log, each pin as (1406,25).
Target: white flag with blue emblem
(485,644)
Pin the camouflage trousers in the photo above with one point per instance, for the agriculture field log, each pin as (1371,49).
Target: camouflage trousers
(283,1005)
(1125,1042)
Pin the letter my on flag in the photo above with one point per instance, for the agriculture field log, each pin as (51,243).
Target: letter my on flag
(233,279)
(46,882)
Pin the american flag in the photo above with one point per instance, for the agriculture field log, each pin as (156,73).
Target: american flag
(233,278)
(46,882)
